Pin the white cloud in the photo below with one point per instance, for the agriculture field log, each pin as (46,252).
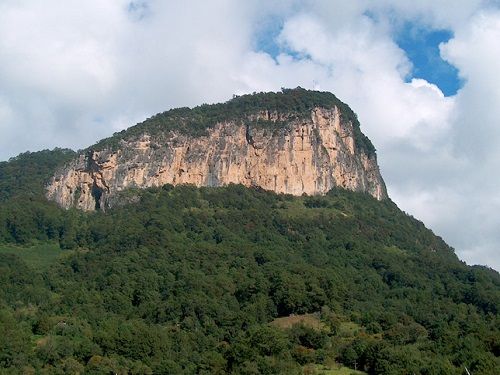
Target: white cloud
(73,72)
(475,52)
(476,136)
(437,14)
(58,49)
(367,69)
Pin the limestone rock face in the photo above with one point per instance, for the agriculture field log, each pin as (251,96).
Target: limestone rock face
(308,156)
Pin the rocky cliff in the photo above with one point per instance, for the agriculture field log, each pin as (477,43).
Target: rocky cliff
(271,149)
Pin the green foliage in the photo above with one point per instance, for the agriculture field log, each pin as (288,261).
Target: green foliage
(27,173)
(25,215)
(188,280)
(39,256)
(15,345)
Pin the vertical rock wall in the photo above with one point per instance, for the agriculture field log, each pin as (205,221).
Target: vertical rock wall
(308,156)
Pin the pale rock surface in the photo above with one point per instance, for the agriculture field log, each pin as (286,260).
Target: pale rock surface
(306,156)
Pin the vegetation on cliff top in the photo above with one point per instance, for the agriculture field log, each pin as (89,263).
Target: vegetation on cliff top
(192,280)
(294,103)
(27,173)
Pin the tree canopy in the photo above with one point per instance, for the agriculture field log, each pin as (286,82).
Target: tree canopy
(190,280)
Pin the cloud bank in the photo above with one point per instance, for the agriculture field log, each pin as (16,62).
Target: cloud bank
(74,72)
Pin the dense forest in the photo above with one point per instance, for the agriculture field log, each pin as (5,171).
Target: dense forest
(180,280)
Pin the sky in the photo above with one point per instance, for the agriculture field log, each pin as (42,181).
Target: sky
(422,76)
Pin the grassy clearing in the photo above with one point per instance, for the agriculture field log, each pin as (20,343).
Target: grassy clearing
(336,369)
(395,251)
(39,256)
(309,320)
(348,329)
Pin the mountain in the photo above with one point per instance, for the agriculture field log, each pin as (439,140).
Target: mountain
(293,142)
(232,279)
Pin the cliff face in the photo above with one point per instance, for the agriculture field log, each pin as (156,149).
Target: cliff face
(309,155)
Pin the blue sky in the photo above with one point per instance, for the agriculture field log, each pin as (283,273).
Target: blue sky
(422,77)
(267,35)
(421,45)
(419,42)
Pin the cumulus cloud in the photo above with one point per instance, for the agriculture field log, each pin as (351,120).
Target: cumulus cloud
(74,72)
(475,139)
(77,71)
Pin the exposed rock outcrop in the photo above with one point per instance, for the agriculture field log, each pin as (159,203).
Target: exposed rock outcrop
(309,156)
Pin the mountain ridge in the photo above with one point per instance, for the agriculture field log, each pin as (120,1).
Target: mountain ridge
(186,280)
(297,102)
(293,142)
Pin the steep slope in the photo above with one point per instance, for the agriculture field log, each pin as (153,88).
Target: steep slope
(187,281)
(293,142)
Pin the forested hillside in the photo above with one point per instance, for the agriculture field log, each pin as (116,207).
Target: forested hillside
(180,280)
